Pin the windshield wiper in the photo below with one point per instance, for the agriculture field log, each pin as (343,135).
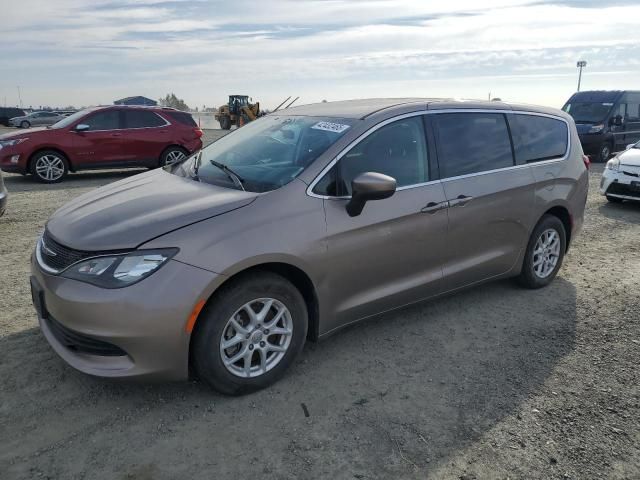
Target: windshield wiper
(235,178)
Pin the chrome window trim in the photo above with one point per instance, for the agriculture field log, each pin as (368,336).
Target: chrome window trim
(326,169)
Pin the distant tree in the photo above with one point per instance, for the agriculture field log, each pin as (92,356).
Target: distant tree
(174,102)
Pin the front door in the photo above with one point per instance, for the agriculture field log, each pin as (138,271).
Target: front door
(490,198)
(390,254)
(101,145)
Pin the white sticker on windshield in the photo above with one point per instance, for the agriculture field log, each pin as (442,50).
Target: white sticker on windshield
(331,127)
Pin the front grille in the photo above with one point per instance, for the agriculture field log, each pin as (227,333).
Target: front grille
(623,189)
(59,257)
(78,342)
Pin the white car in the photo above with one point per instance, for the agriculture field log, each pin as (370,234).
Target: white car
(621,176)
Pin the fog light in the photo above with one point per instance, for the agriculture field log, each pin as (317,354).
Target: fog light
(15,158)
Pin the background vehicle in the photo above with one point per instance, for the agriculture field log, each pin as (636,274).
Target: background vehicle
(237,112)
(621,176)
(102,137)
(3,196)
(35,119)
(304,223)
(607,121)
(6,113)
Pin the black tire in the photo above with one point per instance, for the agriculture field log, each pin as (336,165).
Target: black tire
(25,124)
(604,152)
(60,162)
(225,123)
(167,157)
(528,277)
(614,199)
(206,355)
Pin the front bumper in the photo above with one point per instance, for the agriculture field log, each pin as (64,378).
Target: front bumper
(12,160)
(623,184)
(591,143)
(145,321)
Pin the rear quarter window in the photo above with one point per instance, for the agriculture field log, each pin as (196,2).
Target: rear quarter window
(537,138)
(181,117)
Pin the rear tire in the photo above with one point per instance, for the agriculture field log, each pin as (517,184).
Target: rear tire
(25,124)
(544,254)
(614,199)
(49,166)
(173,155)
(249,339)
(604,152)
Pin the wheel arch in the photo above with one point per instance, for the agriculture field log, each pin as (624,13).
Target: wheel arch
(563,214)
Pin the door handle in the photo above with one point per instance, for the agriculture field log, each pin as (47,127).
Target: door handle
(461,201)
(433,207)
(116,134)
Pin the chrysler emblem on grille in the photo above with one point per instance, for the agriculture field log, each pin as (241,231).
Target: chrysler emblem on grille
(47,250)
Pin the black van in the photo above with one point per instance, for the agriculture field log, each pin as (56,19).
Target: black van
(607,120)
(7,112)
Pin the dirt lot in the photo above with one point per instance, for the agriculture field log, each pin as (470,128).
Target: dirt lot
(495,382)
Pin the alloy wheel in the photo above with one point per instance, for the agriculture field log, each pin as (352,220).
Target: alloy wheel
(546,253)
(174,156)
(256,337)
(50,167)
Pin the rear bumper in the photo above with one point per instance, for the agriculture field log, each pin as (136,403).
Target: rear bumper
(132,332)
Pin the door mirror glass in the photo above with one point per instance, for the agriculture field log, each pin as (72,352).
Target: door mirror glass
(369,186)
(82,127)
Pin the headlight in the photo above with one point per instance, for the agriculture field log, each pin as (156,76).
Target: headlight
(596,128)
(613,164)
(117,271)
(11,143)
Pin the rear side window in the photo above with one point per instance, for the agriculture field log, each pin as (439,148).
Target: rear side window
(107,120)
(181,117)
(142,119)
(472,143)
(537,138)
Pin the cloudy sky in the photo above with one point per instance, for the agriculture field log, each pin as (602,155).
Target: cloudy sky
(84,52)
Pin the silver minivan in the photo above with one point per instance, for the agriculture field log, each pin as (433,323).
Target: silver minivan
(300,223)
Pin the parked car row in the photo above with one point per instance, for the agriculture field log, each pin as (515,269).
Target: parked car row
(101,137)
(297,225)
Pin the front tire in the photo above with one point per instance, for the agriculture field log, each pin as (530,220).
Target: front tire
(544,254)
(49,166)
(249,334)
(604,152)
(25,124)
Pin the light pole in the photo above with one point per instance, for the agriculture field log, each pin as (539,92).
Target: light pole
(19,96)
(580,65)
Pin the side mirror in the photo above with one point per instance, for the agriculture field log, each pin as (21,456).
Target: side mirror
(82,127)
(616,121)
(369,186)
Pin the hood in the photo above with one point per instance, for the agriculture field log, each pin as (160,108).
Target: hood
(630,157)
(130,212)
(24,133)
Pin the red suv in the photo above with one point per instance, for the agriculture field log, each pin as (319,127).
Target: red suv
(101,137)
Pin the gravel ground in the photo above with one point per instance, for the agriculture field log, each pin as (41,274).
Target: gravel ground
(494,382)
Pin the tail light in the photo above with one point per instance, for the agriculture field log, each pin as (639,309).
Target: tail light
(587,162)
(198,132)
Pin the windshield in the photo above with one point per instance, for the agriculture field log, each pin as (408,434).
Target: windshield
(71,119)
(588,112)
(266,153)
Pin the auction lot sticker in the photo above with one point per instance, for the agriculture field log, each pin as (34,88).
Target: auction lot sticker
(330,127)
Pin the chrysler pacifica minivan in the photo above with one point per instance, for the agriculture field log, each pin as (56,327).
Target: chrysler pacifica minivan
(300,223)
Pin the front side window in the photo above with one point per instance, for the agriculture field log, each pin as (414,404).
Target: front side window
(266,153)
(538,138)
(398,149)
(142,119)
(472,143)
(107,120)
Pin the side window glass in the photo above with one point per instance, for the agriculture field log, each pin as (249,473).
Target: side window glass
(398,149)
(142,119)
(538,138)
(472,143)
(109,120)
(633,112)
